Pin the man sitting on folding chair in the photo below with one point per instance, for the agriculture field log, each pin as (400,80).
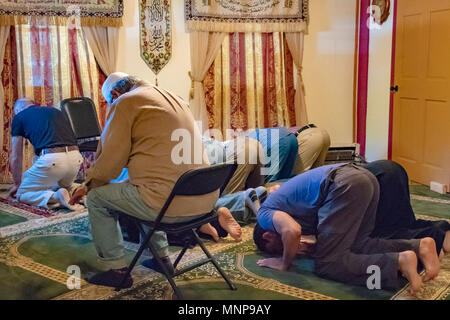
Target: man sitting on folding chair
(138,136)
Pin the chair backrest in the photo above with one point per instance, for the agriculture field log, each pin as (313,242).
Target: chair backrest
(82,117)
(199,182)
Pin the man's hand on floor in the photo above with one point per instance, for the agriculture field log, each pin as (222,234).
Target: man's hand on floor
(273,263)
(13,191)
(77,195)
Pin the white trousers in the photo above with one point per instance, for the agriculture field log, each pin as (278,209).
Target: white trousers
(49,173)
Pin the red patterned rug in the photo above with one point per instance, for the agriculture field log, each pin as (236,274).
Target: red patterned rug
(33,210)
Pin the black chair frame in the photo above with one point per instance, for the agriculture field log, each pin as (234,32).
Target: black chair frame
(191,183)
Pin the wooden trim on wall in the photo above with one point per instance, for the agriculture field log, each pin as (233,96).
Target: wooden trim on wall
(391,103)
(363,73)
(355,69)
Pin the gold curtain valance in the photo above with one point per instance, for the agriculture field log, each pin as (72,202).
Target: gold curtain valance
(247,16)
(88,12)
(59,21)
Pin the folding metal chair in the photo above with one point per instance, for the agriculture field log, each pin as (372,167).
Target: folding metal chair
(83,119)
(192,183)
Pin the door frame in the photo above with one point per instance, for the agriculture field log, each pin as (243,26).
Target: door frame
(392,95)
(361,72)
(361,82)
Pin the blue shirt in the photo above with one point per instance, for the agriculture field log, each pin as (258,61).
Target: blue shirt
(282,146)
(45,127)
(301,197)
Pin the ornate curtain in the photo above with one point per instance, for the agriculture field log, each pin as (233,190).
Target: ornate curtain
(49,63)
(258,17)
(251,83)
(104,42)
(9,82)
(204,48)
(295,43)
(4,35)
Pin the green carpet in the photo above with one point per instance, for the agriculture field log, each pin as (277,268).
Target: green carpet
(33,265)
(429,203)
(438,210)
(8,219)
(422,190)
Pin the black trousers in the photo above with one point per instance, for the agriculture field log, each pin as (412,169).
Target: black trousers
(395,217)
(345,249)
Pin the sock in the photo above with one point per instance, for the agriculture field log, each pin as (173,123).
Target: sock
(262,194)
(251,200)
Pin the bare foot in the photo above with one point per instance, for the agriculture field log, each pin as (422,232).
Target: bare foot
(62,196)
(407,263)
(441,256)
(429,258)
(446,244)
(227,222)
(274,188)
(209,229)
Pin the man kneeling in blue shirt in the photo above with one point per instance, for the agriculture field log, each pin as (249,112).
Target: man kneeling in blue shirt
(338,205)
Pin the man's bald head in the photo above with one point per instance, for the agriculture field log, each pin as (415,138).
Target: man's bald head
(22,104)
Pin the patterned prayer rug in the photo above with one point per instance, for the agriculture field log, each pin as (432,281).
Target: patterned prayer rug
(16,217)
(34,264)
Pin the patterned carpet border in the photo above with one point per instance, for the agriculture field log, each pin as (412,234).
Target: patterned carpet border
(27,208)
(429,199)
(17,211)
(437,289)
(39,223)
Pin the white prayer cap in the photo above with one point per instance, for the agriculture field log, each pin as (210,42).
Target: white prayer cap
(112,79)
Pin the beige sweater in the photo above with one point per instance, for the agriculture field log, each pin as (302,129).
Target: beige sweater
(138,136)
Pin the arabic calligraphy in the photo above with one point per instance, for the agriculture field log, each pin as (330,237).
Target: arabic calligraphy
(156,33)
(254,6)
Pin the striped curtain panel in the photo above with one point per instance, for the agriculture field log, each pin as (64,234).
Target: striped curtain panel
(9,80)
(251,83)
(52,63)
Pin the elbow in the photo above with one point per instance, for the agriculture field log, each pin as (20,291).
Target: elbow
(294,231)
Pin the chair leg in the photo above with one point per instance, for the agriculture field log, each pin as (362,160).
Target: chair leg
(213,261)
(131,266)
(183,251)
(166,272)
(145,242)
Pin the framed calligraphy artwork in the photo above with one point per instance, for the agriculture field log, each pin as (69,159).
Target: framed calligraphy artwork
(155,33)
(91,12)
(247,16)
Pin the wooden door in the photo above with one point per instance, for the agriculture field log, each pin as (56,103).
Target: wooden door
(421,124)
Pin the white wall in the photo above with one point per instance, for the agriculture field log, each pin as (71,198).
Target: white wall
(328,61)
(378,99)
(329,67)
(174,76)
